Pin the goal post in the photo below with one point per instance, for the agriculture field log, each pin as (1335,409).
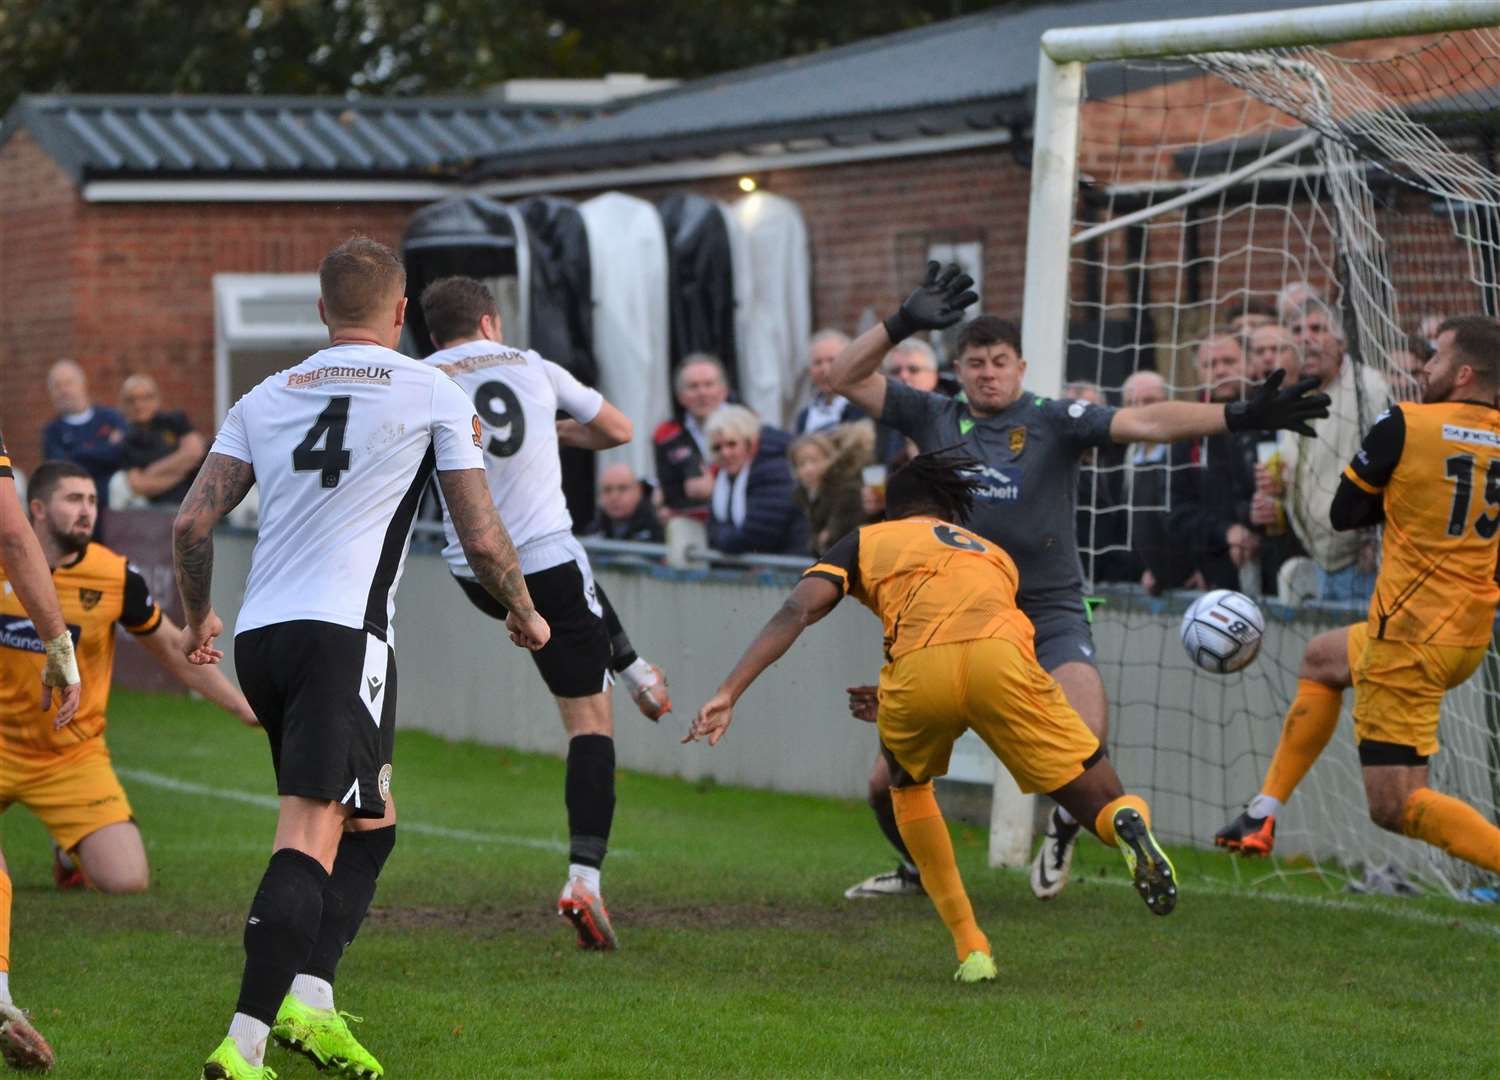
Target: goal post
(1347,150)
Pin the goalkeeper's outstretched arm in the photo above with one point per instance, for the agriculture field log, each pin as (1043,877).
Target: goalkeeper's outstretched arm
(812,599)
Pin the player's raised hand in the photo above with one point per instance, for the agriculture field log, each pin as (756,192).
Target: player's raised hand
(198,640)
(712,720)
(938,302)
(864,702)
(529,631)
(1274,409)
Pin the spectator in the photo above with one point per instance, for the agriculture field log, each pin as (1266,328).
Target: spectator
(913,362)
(1311,466)
(1214,481)
(1407,364)
(682,453)
(86,434)
(751,509)
(162,451)
(1146,490)
(1103,527)
(1250,314)
(624,512)
(827,466)
(1293,298)
(1272,346)
(826,409)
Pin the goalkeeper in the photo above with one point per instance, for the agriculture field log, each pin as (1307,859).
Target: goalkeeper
(1029,449)
(958,655)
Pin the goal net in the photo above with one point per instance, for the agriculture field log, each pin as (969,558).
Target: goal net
(1319,208)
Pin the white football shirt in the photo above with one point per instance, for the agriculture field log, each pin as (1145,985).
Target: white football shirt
(517,394)
(342,446)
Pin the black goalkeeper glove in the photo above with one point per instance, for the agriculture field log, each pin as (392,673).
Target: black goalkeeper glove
(937,304)
(1275,409)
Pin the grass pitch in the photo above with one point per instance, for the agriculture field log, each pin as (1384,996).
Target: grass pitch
(739,956)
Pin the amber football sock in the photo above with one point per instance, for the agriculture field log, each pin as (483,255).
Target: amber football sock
(1306,730)
(1104,820)
(926,835)
(1452,825)
(4,922)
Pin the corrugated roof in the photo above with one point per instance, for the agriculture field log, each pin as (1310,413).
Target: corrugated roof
(183,137)
(966,74)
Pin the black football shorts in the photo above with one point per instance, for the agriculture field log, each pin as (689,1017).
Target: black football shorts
(326,696)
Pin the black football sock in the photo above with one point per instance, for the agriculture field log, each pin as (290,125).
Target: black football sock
(885,816)
(590,795)
(280,931)
(347,898)
(621,652)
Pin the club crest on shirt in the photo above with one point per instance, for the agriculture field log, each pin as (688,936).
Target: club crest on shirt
(1017,439)
(383,781)
(90,598)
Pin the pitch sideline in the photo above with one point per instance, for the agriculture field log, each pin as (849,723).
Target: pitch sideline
(270,802)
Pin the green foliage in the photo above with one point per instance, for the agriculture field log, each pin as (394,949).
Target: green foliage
(740,957)
(411,46)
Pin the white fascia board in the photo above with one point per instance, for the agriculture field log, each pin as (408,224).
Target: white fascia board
(741,164)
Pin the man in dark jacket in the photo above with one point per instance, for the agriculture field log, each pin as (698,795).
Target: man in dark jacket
(682,454)
(625,513)
(84,433)
(752,509)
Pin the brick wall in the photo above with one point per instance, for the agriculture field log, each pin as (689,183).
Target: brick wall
(38,216)
(128,288)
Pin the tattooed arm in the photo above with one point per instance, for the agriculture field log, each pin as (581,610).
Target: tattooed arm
(490,553)
(222,483)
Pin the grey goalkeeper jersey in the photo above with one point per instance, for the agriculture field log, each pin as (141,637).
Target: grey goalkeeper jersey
(1031,454)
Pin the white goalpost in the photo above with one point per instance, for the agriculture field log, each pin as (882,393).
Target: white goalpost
(1183,173)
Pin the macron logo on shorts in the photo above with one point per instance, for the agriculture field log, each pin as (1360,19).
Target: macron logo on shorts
(374,676)
(374,683)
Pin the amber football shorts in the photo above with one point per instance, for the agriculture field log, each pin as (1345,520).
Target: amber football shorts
(929,697)
(74,793)
(1399,687)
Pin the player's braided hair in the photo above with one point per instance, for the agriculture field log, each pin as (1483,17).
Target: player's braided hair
(942,482)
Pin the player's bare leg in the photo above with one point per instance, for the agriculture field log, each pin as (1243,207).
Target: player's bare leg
(1053,862)
(1401,802)
(1122,821)
(21,1045)
(113,859)
(308,1020)
(905,880)
(1309,724)
(590,795)
(281,928)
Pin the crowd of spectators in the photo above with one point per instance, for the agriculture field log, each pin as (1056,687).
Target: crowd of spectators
(1229,511)
(139,455)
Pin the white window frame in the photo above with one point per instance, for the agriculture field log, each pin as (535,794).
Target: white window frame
(232,331)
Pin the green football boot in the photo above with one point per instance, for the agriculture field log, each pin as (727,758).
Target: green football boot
(227,1063)
(977,967)
(324,1037)
(1150,868)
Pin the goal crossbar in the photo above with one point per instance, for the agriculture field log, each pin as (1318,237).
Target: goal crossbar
(1324,25)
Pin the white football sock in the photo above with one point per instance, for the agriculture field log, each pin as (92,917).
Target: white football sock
(589,875)
(1263,806)
(1065,817)
(5,988)
(249,1034)
(313,991)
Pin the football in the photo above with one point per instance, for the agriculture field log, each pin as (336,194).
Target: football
(1221,631)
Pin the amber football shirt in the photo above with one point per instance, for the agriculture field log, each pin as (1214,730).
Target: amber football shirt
(930,582)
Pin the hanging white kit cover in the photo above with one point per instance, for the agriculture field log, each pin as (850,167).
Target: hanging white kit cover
(632,341)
